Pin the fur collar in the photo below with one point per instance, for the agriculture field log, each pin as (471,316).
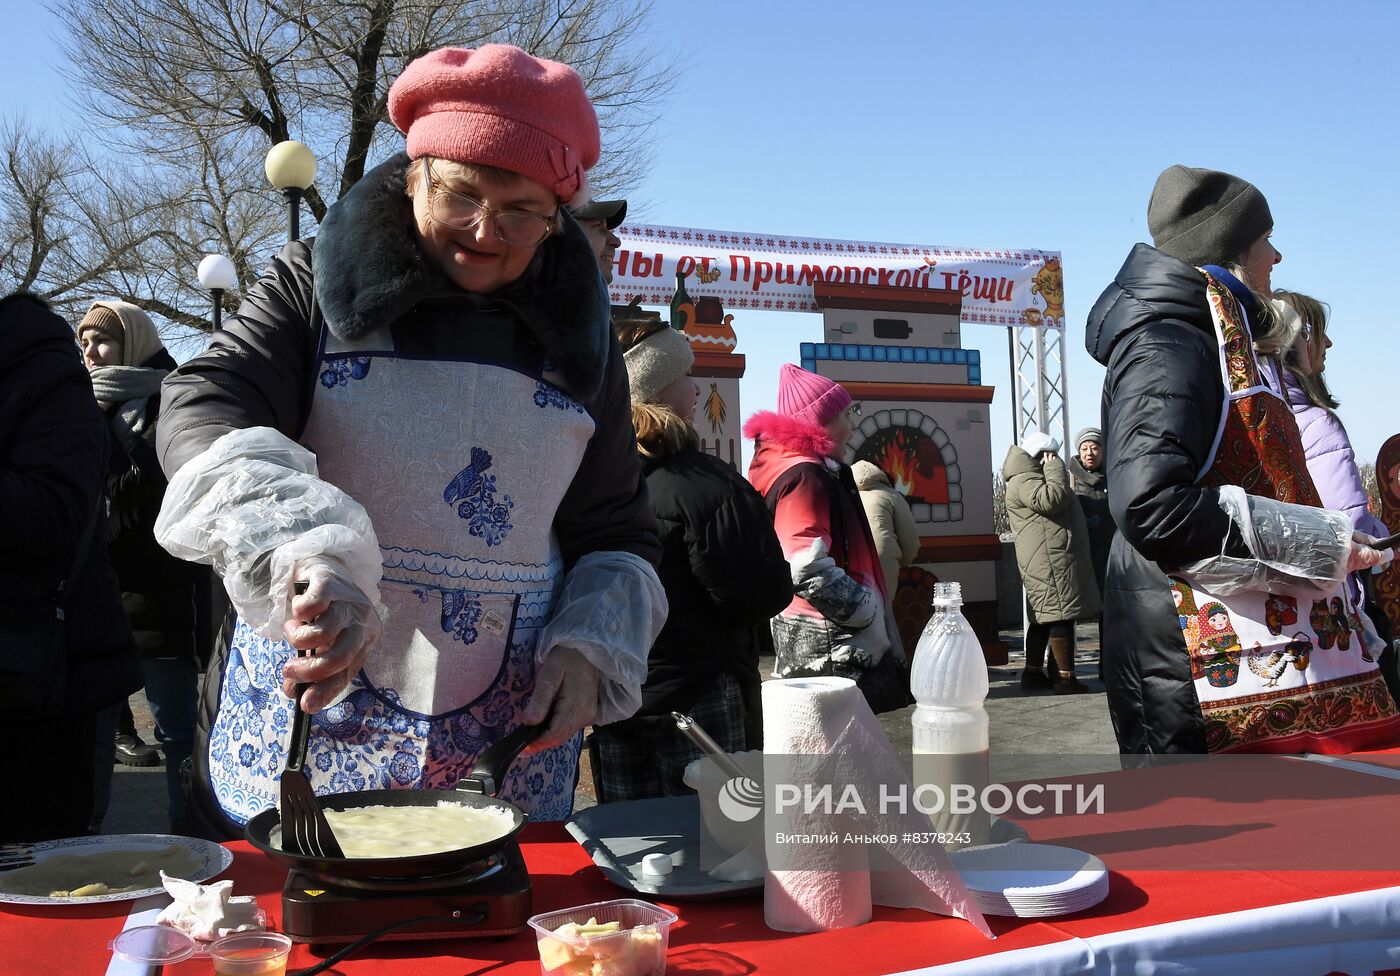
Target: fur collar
(369,270)
(783,442)
(791,434)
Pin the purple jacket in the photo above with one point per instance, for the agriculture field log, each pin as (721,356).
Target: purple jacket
(1331,461)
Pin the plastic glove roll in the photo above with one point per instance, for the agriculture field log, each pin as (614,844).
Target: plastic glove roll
(611,610)
(251,506)
(1291,545)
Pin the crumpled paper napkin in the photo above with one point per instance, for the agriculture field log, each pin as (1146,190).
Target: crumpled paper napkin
(208,911)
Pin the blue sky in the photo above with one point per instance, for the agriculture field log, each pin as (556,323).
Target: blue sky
(1011,125)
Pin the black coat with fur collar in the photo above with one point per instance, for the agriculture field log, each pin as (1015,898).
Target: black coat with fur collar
(365,268)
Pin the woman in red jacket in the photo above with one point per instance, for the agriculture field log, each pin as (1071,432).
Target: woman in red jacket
(838,623)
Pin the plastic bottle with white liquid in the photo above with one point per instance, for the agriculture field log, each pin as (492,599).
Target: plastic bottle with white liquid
(949,682)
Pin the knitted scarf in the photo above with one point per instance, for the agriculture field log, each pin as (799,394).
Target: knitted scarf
(118,384)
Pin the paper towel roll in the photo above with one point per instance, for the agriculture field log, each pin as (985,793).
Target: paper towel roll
(821,731)
(819,886)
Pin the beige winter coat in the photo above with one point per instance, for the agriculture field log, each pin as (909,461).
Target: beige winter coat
(891,522)
(1052,539)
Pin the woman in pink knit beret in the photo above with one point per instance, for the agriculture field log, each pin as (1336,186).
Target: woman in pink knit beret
(422,416)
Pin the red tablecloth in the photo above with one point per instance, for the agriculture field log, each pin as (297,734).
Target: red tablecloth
(1207,838)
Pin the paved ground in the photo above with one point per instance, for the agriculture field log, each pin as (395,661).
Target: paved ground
(1034,734)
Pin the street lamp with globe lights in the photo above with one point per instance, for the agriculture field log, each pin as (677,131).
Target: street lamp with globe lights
(217,275)
(291,168)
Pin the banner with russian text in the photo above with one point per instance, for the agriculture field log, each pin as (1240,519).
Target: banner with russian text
(776,273)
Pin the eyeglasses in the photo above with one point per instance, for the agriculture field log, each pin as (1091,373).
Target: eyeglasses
(518,228)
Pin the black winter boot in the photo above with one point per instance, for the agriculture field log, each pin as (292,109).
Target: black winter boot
(131,751)
(1034,679)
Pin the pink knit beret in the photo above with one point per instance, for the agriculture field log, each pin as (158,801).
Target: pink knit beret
(807,396)
(498,106)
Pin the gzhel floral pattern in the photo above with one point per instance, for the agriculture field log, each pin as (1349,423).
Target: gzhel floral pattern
(473,491)
(340,371)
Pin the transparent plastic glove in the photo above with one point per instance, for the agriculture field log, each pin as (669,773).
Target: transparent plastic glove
(336,621)
(1295,546)
(1362,556)
(250,506)
(566,691)
(609,613)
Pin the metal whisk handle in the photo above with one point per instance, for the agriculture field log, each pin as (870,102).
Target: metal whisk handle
(696,734)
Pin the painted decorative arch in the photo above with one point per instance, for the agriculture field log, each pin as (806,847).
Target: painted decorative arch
(919,457)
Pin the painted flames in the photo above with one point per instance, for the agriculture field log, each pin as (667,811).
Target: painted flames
(913,463)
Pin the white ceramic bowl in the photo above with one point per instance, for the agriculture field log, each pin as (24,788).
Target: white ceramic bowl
(706,778)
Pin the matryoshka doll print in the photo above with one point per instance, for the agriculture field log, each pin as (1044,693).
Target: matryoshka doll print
(1354,616)
(1186,611)
(1330,625)
(1280,612)
(1220,649)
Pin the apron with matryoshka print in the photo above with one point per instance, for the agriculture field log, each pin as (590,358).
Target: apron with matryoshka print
(1283,671)
(461,466)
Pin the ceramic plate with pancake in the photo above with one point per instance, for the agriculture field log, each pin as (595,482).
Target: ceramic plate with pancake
(209,859)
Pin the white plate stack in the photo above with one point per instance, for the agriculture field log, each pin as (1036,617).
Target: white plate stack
(1032,880)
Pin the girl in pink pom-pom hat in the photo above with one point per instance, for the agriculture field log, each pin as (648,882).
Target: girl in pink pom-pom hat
(839,622)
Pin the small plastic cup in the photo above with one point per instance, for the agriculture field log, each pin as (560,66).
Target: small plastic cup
(637,948)
(251,954)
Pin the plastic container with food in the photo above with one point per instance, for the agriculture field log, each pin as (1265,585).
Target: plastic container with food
(624,937)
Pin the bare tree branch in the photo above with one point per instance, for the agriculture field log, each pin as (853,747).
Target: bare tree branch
(199,90)
(70,229)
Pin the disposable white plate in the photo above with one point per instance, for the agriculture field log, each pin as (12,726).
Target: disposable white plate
(1032,880)
(210,859)
(992,904)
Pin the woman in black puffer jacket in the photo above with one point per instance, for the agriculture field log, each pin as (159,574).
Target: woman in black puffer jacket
(724,574)
(1224,634)
(1091,488)
(53,453)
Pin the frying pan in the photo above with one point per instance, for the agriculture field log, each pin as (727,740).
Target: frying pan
(476,790)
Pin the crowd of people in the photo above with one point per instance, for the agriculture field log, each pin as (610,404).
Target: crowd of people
(448,490)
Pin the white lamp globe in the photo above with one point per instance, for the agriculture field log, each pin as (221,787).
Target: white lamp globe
(290,165)
(216,272)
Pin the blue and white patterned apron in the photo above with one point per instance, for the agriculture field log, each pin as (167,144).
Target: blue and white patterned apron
(461,466)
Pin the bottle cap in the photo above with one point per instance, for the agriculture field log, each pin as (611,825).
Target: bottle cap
(656,864)
(947,594)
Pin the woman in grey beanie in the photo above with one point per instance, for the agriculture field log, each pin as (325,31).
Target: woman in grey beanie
(724,575)
(1086,477)
(1205,461)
